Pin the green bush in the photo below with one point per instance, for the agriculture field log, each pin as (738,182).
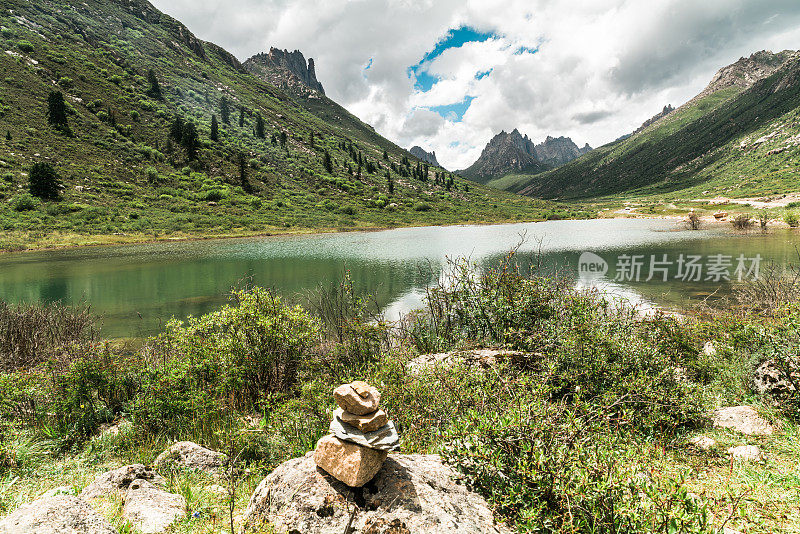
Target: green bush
(24,202)
(25,46)
(792,219)
(135,115)
(422,206)
(44,182)
(66,82)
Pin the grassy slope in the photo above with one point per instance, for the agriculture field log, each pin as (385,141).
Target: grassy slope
(696,149)
(98,54)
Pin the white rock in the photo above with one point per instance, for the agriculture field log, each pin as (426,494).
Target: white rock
(117,481)
(62,514)
(150,509)
(745,453)
(188,455)
(743,419)
(703,442)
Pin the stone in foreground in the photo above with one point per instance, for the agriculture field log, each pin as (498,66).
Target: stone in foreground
(117,481)
(151,509)
(742,419)
(348,462)
(358,398)
(745,453)
(383,439)
(63,514)
(703,442)
(188,455)
(365,423)
(410,494)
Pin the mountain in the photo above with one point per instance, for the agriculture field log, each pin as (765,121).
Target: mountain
(652,120)
(167,135)
(421,154)
(513,152)
(739,136)
(284,69)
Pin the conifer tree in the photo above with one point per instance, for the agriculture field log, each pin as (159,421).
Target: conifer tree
(311,140)
(243,175)
(190,140)
(390,182)
(328,163)
(154,91)
(241,116)
(225,110)
(273,139)
(44,181)
(284,138)
(385,155)
(214,129)
(260,133)
(8,135)
(57,112)
(176,130)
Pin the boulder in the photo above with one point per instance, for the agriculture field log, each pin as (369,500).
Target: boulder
(743,419)
(188,455)
(353,464)
(745,453)
(703,442)
(358,398)
(62,514)
(410,494)
(484,358)
(383,439)
(117,481)
(151,509)
(768,379)
(365,423)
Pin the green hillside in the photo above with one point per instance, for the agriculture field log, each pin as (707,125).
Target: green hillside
(125,178)
(712,146)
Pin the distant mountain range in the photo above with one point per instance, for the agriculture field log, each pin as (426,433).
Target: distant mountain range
(739,136)
(427,157)
(514,153)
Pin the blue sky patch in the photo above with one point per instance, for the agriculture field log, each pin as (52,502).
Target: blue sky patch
(369,64)
(483,74)
(455,38)
(525,50)
(454,112)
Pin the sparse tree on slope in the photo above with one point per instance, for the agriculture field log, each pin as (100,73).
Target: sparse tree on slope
(260,133)
(44,181)
(154,90)
(225,111)
(190,140)
(57,112)
(214,129)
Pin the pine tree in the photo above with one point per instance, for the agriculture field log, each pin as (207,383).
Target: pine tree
(8,135)
(243,175)
(385,155)
(311,140)
(214,129)
(44,181)
(284,138)
(57,112)
(225,110)
(176,130)
(190,140)
(390,182)
(260,133)
(466,188)
(241,116)
(154,91)
(328,163)
(273,139)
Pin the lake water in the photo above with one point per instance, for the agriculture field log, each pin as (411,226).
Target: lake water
(137,288)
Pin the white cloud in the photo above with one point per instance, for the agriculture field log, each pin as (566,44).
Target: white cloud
(603,66)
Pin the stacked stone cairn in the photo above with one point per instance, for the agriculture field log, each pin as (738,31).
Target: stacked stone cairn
(360,438)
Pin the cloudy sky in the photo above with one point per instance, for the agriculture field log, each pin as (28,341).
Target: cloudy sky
(448,74)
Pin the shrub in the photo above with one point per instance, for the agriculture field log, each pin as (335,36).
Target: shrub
(791,219)
(742,222)
(25,46)
(135,115)
(256,345)
(115,79)
(24,203)
(30,334)
(422,206)
(152,175)
(215,195)
(66,82)
(347,210)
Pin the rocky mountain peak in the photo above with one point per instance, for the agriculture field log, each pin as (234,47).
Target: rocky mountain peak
(286,69)
(428,157)
(748,70)
(512,152)
(658,116)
